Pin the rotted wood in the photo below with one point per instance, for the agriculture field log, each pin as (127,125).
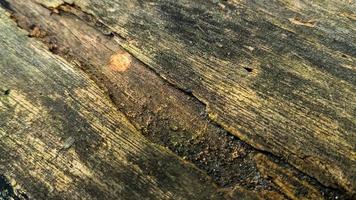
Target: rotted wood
(280,75)
(61,138)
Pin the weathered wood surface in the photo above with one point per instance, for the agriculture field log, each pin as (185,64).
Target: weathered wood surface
(279,74)
(161,112)
(60,138)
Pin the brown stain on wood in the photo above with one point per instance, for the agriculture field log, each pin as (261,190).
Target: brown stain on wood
(37,32)
(120,62)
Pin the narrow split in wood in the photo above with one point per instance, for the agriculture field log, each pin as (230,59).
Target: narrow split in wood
(164,114)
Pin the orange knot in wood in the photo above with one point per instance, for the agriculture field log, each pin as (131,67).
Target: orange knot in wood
(120,62)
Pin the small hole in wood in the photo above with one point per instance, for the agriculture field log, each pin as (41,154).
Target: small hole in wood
(7,92)
(248,69)
(344,56)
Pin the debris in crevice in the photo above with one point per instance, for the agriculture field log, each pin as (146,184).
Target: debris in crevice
(37,32)
(209,155)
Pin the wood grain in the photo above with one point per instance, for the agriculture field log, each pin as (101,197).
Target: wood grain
(279,75)
(163,113)
(60,138)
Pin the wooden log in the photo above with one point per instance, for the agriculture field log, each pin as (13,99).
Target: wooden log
(279,75)
(61,138)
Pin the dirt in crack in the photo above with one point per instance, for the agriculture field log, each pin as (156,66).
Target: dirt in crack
(166,115)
